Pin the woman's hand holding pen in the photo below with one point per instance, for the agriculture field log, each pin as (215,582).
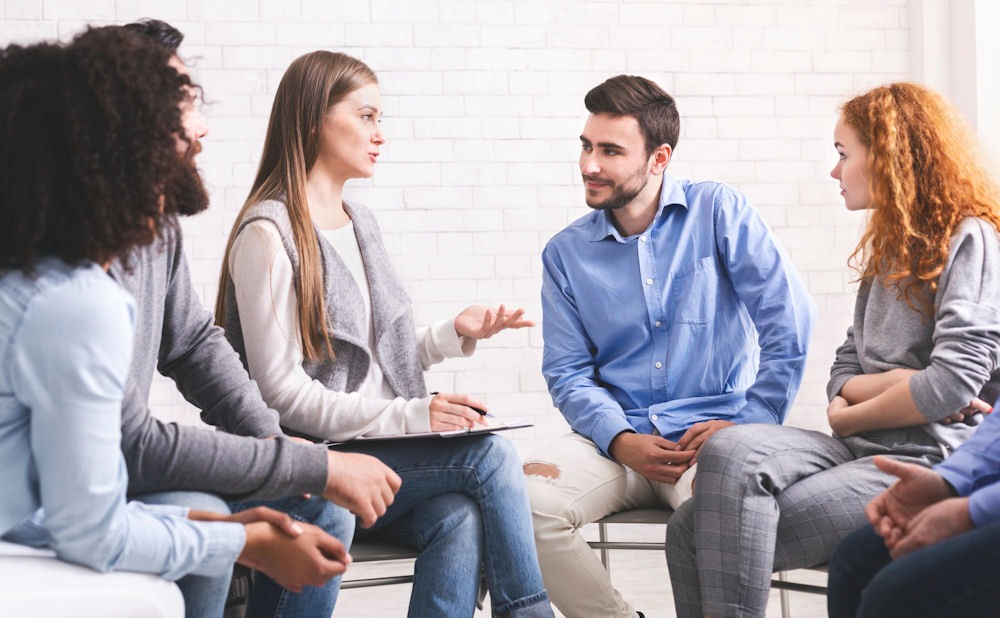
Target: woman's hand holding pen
(450,411)
(482,322)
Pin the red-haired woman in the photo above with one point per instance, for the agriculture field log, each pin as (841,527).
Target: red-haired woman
(924,343)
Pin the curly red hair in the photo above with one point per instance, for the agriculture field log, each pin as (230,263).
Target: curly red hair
(925,175)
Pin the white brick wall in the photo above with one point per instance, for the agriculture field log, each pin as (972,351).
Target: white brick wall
(483,104)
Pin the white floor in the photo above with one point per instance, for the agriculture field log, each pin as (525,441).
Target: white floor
(640,575)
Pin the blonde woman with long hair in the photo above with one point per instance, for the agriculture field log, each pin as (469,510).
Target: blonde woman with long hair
(924,343)
(310,300)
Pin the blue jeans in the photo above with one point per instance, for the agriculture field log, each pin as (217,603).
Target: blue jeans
(447,531)
(462,502)
(956,577)
(203,596)
(267,598)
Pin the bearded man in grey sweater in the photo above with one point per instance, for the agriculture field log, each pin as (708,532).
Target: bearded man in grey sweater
(251,462)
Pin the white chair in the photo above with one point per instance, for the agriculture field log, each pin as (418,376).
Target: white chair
(39,585)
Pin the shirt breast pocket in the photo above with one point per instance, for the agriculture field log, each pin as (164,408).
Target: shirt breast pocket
(694,293)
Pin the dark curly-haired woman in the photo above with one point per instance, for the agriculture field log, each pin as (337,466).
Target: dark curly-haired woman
(93,163)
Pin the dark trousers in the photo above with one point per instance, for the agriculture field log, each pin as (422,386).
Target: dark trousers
(957,577)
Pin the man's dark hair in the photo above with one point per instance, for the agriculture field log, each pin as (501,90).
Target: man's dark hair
(160,31)
(650,105)
(88,140)
(187,191)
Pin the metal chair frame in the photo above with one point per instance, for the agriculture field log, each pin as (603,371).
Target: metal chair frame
(377,551)
(656,516)
(373,551)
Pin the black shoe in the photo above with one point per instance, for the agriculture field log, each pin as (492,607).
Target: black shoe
(641,615)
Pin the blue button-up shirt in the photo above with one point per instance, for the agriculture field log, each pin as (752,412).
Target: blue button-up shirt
(974,471)
(65,349)
(660,330)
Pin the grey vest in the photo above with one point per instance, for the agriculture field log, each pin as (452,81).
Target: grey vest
(392,315)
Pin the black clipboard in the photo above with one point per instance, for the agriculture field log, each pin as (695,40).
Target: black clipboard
(441,435)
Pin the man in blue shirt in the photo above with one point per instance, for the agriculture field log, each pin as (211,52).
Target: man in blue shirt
(932,547)
(670,312)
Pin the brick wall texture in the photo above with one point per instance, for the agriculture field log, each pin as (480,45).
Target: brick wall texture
(483,108)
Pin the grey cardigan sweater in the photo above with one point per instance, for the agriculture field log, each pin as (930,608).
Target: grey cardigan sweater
(176,335)
(392,314)
(957,350)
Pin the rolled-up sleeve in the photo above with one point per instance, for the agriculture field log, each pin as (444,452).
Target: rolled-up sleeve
(967,324)
(568,362)
(846,365)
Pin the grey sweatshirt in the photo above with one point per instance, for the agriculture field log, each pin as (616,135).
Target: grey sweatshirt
(176,335)
(957,350)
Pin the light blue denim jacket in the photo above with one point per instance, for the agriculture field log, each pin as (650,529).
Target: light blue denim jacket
(65,349)
(701,316)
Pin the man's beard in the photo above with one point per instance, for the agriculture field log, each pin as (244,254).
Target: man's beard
(186,193)
(622,194)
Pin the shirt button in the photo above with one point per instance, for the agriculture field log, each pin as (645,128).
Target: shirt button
(654,417)
(659,364)
(657,324)
(642,239)
(649,282)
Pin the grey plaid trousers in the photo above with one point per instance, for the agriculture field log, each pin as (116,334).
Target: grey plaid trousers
(770,498)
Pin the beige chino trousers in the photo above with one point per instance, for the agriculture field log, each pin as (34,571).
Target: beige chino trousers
(575,485)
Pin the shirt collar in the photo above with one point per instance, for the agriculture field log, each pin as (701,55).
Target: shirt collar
(671,194)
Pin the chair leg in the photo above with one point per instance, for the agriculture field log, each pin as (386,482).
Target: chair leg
(239,592)
(602,532)
(786,609)
(483,588)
